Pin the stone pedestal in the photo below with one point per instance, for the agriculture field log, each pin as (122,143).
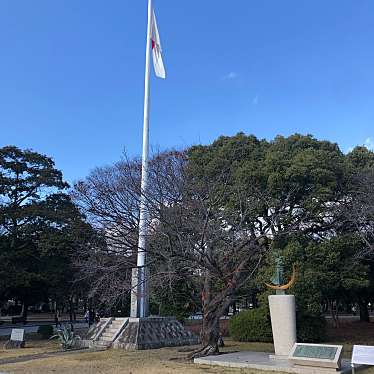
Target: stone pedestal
(283,323)
(139,288)
(154,333)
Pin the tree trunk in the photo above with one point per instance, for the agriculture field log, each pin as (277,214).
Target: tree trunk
(234,309)
(364,312)
(24,312)
(334,312)
(71,309)
(254,301)
(210,333)
(211,338)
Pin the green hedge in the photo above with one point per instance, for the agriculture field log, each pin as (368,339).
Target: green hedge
(45,331)
(251,326)
(255,326)
(310,328)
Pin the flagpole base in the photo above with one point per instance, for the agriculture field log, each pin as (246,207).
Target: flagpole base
(154,333)
(139,293)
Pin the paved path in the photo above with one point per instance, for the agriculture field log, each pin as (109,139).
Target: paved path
(262,361)
(6,330)
(14,360)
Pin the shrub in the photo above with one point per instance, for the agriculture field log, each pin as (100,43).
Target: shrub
(45,331)
(310,328)
(255,326)
(67,338)
(251,326)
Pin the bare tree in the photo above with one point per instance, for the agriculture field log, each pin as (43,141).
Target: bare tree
(214,227)
(219,245)
(221,229)
(190,230)
(109,198)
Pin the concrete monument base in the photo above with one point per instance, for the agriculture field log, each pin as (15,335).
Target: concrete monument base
(283,324)
(153,333)
(138,334)
(262,361)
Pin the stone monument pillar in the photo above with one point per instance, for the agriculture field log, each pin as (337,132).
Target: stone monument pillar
(282,312)
(283,323)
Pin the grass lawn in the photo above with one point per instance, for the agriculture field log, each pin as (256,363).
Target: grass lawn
(167,360)
(32,347)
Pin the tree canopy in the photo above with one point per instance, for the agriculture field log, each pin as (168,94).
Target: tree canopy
(39,228)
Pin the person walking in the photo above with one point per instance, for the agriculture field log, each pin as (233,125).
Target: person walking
(87,316)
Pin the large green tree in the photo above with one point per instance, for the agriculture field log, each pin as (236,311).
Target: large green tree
(329,273)
(241,198)
(38,227)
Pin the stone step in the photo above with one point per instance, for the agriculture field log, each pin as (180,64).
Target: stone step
(105,339)
(114,327)
(102,343)
(107,334)
(102,346)
(117,324)
(111,327)
(111,330)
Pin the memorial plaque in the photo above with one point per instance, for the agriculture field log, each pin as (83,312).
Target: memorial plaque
(316,355)
(363,355)
(18,335)
(324,352)
(17,339)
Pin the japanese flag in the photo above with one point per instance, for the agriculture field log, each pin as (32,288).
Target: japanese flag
(156,50)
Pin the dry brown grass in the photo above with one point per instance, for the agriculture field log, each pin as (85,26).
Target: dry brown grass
(32,347)
(162,361)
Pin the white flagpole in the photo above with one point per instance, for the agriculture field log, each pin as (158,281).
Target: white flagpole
(141,260)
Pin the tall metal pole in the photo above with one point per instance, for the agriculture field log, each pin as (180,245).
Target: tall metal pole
(143,219)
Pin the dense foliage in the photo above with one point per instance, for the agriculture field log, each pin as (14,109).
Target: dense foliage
(255,326)
(311,328)
(251,326)
(40,229)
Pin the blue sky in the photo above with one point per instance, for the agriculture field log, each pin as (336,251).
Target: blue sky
(72,72)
